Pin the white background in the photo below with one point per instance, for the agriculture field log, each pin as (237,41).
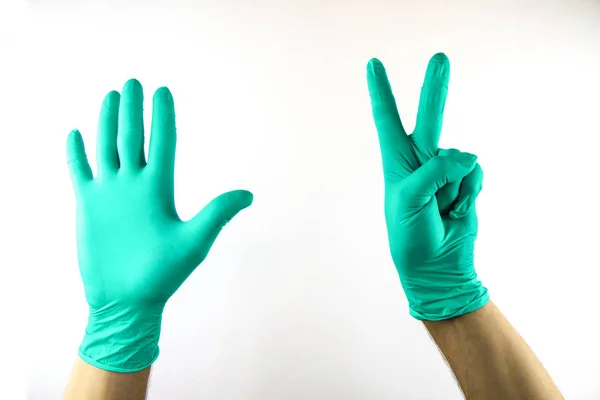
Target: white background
(299,298)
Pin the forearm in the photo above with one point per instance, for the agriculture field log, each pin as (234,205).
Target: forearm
(90,383)
(490,359)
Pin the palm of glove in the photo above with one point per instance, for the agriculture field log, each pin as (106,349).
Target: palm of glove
(131,245)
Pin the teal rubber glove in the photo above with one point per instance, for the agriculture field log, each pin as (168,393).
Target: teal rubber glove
(429,200)
(134,252)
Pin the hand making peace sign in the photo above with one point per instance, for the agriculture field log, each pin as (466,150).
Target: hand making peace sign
(429,200)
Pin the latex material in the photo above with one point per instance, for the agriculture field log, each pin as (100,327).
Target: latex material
(134,251)
(429,200)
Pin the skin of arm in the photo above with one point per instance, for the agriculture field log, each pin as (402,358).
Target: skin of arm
(91,383)
(490,359)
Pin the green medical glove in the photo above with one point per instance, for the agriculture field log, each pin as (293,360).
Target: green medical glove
(134,251)
(429,200)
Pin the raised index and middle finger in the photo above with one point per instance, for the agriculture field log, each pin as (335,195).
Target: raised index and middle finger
(403,154)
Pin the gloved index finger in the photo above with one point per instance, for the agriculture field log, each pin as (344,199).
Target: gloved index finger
(431,104)
(392,137)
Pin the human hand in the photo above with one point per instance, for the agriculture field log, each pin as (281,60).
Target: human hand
(429,200)
(134,251)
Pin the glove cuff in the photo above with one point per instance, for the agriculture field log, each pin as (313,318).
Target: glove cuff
(445,303)
(122,338)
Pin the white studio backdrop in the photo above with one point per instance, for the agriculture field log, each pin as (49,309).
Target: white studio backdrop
(299,298)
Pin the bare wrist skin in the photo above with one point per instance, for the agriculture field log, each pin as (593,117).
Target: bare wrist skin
(91,383)
(490,359)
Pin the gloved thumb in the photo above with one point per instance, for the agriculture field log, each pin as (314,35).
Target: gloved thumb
(215,215)
(469,190)
(422,184)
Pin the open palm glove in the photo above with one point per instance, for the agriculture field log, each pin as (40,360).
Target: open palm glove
(134,251)
(429,200)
